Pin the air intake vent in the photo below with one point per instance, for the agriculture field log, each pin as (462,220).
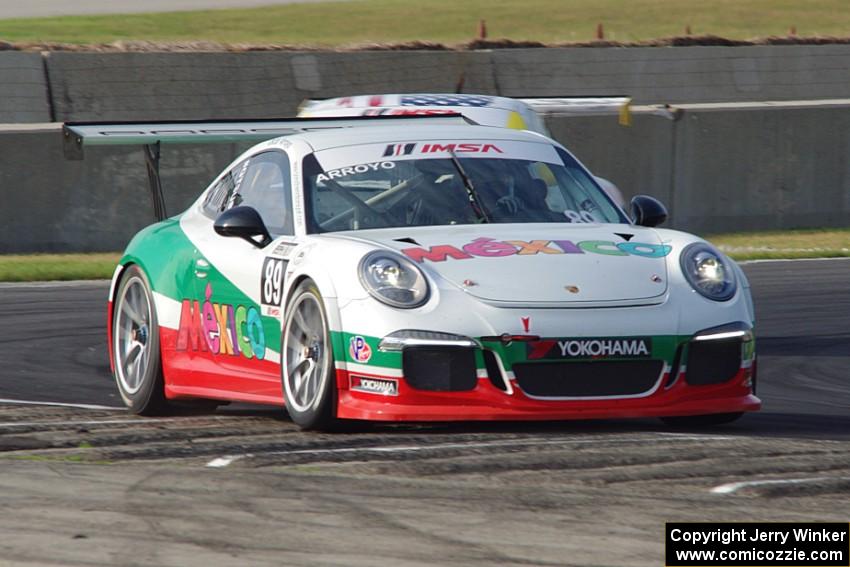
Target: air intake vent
(588,379)
(713,362)
(493,371)
(440,369)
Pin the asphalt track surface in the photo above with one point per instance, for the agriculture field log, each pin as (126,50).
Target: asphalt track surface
(242,485)
(45,8)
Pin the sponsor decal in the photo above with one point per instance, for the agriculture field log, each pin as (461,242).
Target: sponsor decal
(220,328)
(269,311)
(492,248)
(526,323)
(382,386)
(407,111)
(298,200)
(301,255)
(399,150)
(355,169)
(283,249)
(446,100)
(271,281)
(607,347)
(359,349)
(463,148)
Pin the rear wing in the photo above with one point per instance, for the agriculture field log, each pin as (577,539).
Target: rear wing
(151,136)
(469,104)
(577,106)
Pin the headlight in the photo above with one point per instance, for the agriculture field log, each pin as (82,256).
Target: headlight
(393,279)
(708,272)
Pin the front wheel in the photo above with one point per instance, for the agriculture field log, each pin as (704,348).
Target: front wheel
(702,420)
(135,345)
(307,367)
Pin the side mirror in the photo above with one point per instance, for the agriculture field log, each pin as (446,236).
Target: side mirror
(648,211)
(245,223)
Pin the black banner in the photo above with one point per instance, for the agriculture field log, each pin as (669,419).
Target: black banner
(759,544)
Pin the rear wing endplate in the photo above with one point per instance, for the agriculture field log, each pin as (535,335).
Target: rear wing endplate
(582,106)
(152,135)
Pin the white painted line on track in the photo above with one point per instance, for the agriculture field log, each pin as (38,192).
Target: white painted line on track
(61,404)
(222,462)
(733,487)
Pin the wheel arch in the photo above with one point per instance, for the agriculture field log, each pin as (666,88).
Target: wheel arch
(120,272)
(323,281)
(115,283)
(328,292)
(147,396)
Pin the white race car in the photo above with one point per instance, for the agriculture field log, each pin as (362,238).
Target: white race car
(422,269)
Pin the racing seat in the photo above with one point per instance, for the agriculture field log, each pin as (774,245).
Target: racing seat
(534,196)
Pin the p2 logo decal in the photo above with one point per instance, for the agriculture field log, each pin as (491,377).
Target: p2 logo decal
(359,349)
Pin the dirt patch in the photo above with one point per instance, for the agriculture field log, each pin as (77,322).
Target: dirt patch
(476,44)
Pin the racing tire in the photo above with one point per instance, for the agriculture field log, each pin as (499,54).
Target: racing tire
(702,420)
(136,347)
(307,362)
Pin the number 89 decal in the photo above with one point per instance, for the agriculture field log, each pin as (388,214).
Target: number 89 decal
(271,283)
(583,216)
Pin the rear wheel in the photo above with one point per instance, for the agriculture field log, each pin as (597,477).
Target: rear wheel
(702,420)
(135,345)
(307,367)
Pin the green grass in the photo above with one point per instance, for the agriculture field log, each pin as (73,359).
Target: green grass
(826,243)
(820,243)
(447,21)
(46,267)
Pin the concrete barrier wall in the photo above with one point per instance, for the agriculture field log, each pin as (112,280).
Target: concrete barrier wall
(173,86)
(50,204)
(726,167)
(326,75)
(762,168)
(24,96)
(653,75)
(717,167)
(77,86)
(170,86)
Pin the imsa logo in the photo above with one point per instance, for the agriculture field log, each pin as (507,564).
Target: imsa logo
(381,386)
(399,150)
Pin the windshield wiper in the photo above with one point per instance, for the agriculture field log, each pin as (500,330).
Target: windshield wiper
(471,193)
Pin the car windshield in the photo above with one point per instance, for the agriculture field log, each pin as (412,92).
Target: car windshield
(459,183)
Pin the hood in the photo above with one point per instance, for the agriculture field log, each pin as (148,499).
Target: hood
(537,263)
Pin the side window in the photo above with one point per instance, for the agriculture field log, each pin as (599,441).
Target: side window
(220,195)
(264,183)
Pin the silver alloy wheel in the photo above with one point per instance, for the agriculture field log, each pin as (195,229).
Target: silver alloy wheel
(132,335)
(306,354)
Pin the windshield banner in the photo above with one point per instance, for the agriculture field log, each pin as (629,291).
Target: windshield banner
(380,154)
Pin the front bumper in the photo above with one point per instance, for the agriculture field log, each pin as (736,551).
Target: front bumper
(709,372)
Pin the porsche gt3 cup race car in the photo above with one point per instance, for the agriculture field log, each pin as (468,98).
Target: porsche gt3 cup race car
(421,269)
